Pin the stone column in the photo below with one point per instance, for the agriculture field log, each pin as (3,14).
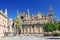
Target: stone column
(24,30)
(28,30)
(21,30)
(35,29)
(41,30)
(31,30)
(38,30)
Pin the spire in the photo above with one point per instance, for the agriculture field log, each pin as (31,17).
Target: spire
(28,15)
(28,11)
(39,13)
(17,13)
(50,11)
(50,7)
(6,11)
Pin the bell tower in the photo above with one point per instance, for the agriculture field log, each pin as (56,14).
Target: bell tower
(50,12)
(50,15)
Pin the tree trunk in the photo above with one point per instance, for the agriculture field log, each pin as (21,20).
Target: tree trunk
(17,31)
(20,31)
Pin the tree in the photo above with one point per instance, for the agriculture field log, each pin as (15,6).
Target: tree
(18,24)
(45,27)
(48,27)
(55,26)
(51,27)
(59,26)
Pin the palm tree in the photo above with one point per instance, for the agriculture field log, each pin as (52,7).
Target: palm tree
(18,24)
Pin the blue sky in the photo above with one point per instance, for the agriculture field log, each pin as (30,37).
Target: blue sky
(35,6)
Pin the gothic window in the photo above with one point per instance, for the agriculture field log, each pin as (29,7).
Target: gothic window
(22,17)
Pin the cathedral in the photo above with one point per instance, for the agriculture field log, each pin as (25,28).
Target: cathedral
(34,24)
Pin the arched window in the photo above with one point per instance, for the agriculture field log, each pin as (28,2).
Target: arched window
(22,17)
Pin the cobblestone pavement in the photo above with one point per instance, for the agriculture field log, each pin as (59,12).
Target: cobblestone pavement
(26,38)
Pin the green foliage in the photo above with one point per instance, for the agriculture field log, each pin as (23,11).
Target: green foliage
(50,27)
(56,26)
(59,26)
(17,20)
(45,27)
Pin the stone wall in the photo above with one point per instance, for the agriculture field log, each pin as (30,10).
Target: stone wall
(31,29)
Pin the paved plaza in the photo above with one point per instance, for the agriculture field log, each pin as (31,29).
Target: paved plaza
(27,38)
